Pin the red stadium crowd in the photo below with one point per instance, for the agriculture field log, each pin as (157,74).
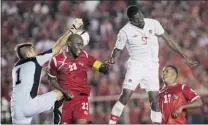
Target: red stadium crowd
(42,22)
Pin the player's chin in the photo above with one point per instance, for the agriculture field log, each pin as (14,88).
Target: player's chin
(77,54)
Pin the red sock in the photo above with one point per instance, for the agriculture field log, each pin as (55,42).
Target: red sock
(114,118)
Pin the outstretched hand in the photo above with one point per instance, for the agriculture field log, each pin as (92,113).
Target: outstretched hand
(68,95)
(177,111)
(191,63)
(111,60)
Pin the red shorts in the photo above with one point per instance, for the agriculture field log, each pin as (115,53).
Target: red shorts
(77,108)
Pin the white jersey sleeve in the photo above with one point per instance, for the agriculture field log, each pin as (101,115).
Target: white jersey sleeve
(121,40)
(158,28)
(44,57)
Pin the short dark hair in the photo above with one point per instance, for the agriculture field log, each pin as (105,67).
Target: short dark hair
(19,46)
(174,68)
(132,10)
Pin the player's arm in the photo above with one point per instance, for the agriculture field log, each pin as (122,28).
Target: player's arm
(54,83)
(194,101)
(62,40)
(159,31)
(194,104)
(52,78)
(101,67)
(175,47)
(47,55)
(43,72)
(97,65)
(120,44)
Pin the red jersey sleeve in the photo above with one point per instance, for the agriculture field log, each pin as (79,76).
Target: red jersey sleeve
(52,67)
(189,93)
(91,61)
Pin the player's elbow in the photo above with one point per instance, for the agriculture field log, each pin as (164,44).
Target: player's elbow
(199,102)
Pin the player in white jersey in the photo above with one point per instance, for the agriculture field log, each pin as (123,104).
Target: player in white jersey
(26,74)
(140,37)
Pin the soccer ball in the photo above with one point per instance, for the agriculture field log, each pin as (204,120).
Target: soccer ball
(85,36)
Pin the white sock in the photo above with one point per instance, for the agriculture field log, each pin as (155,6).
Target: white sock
(116,112)
(156,116)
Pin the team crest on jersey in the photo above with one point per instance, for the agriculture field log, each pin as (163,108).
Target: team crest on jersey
(64,66)
(175,97)
(81,64)
(150,31)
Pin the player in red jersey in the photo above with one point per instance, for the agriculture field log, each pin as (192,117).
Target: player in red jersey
(176,98)
(68,73)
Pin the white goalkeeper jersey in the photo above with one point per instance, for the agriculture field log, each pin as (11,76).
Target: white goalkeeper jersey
(142,44)
(26,77)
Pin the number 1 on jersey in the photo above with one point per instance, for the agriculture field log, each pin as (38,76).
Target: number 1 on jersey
(18,77)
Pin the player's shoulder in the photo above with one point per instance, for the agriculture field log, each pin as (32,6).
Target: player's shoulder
(182,86)
(59,56)
(126,27)
(150,21)
(23,61)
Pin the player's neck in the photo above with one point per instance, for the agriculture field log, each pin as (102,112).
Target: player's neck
(141,27)
(68,54)
(170,83)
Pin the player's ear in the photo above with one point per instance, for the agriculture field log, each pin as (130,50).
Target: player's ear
(69,43)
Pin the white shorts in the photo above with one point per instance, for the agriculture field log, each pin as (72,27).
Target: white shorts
(146,76)
(23,112)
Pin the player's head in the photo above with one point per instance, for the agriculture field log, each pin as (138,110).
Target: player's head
(169,74)
(75,44)
(135,16)
(25,50)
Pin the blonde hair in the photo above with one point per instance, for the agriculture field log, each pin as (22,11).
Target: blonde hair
(19,46)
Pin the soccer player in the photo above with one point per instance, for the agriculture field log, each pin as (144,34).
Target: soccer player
(25,103)
(176,98)
(68,73)
(140,36)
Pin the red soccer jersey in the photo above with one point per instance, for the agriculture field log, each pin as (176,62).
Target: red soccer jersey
(71,73)
(170,97)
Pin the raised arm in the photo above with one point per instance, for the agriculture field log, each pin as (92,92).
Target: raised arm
(174,46)
(62,40)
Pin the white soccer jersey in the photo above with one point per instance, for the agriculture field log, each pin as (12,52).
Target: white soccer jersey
(26,77)
(142,44)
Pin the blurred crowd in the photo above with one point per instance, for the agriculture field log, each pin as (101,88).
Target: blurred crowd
(43,22)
